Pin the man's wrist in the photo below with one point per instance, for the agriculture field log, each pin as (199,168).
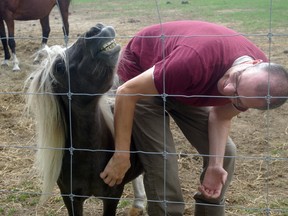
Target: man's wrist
(122,154)
(215,161)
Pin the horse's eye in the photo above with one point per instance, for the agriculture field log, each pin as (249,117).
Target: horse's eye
(60,67)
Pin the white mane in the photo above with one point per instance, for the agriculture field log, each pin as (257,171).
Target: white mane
(50,126)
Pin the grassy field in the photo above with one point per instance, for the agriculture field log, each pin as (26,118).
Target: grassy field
(250,16)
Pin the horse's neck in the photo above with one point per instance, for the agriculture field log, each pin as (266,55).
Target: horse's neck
(89,128)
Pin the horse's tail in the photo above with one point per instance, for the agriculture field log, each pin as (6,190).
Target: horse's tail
(50,125)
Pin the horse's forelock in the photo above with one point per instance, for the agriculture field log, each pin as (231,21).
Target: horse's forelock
(43,77)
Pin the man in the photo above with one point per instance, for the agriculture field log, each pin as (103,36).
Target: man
(202,75)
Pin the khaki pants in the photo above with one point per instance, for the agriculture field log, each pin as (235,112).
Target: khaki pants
(152,135)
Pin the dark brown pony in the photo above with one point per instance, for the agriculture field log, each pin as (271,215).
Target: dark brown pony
(75,122)
(24,10)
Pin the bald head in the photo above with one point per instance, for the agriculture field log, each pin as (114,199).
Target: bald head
(276,87)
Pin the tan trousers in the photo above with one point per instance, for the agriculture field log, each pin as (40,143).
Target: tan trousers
(152,135)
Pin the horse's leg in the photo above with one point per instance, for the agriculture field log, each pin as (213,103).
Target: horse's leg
(110,207)
(45,25)
(64,11)
(12,44)
(45,29)
(74,206)
(139,197)
(7,55)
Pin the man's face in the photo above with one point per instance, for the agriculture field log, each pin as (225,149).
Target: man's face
(240,83)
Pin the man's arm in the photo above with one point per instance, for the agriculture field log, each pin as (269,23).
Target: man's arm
(218,129)
(126,98)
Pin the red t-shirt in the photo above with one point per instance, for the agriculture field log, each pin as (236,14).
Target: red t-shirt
(189,57)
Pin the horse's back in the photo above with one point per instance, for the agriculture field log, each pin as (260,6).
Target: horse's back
(26,9)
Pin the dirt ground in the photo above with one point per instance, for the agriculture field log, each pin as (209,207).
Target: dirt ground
(259,186)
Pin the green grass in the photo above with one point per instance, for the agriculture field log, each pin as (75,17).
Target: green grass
(124,203)
(246,15)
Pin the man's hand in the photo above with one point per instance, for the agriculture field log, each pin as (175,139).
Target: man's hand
(116,168)
(214,179)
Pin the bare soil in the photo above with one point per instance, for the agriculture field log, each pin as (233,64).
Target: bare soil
(260,182)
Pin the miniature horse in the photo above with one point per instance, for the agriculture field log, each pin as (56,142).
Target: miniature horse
(28,10)
(75,122)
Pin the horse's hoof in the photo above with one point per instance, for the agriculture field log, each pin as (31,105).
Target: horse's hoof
(136,211)
(16,68)
(5,63)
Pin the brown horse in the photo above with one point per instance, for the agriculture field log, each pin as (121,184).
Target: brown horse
(75,122)
(24,10)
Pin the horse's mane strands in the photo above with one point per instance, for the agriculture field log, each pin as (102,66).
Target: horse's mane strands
(107,101)
(50,123)
(107,113)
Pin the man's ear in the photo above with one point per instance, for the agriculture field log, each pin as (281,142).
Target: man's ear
(257,61)
(254,61)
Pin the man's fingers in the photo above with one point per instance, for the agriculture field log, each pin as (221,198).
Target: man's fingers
(107,179)
(209,193)
(103,175)
(111,183)
(216,194)
(119,181)
(114,172)
(111,180)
